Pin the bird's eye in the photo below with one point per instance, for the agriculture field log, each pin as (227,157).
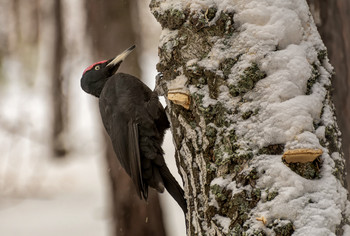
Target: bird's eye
(97,67)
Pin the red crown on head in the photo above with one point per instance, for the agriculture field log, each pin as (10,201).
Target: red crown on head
(93,65)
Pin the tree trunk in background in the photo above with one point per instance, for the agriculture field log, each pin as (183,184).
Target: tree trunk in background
(58,99)
(332,18)
(110,25)
(253,81)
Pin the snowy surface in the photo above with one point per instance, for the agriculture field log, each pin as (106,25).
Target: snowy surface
(314,206)
(224,222)
(281,38)
(64,199)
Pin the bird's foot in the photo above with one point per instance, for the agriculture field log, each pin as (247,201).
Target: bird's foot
(160,83)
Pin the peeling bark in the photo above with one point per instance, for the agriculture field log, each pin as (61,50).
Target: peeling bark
(229,143)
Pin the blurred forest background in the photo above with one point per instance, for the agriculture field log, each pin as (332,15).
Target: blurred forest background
(58,174)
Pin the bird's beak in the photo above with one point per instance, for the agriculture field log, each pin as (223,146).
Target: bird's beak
(115,63)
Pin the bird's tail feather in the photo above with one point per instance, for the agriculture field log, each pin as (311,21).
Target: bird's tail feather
(173,187)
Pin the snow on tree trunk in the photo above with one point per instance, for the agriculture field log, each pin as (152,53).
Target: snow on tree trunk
(257,77)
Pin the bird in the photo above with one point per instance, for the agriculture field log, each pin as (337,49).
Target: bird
(136,122)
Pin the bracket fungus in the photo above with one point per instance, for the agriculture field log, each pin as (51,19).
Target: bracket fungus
(301,155)
(182,99)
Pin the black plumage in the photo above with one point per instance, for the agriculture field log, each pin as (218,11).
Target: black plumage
(136,122)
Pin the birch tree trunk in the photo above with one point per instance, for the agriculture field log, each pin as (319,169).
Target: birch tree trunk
(247,84)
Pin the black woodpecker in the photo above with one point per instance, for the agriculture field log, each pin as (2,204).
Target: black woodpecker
(136,122)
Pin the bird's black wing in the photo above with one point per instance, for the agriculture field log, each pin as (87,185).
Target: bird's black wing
(135,159)
(124,137)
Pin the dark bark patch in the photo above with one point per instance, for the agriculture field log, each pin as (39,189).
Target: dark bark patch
(169,70)
(310,170)
(200,22)
(210,13)
(214,83)
(271,195)
(215,113)
(339,170)
(238,161)
(241,205)
(259,233)
(246,178)
(171,18)
(178,138)
(331,135)
(315,74)
(199,76)
(236,207)
(233,162)
(227,65)
(339,231)
(322,54)
(246,115)
(210,133)
(195,74)
(248,79)
(274,149)
(285,228)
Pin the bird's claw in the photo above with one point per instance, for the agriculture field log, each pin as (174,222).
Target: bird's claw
(159,88)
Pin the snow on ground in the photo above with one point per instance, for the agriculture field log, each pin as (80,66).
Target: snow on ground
(68,199)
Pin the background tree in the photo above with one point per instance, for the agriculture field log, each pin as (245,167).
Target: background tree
(59,108)
(111,27)
(248,81)
(331,18)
